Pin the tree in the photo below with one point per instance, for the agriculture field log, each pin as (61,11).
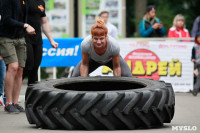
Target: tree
(140,8)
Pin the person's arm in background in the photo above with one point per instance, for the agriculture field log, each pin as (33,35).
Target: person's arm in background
(84,68)
(47,31)
(116,65)
(143,31)
(161,28)
(195,27)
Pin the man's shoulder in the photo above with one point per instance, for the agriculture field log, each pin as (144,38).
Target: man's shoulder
(113,42)
(113,46)
(111,39)
(111,25)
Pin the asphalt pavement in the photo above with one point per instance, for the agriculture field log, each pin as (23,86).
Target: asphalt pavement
(186,119)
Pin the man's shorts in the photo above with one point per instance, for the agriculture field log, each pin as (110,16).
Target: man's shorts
(13,50)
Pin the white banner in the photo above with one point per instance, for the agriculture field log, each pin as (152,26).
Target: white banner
(169,61)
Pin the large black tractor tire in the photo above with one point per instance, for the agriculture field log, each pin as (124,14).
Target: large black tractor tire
(100,103)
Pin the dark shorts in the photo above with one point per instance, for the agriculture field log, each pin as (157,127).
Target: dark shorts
(13,50)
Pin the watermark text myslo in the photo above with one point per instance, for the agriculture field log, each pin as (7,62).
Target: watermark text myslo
(184,128)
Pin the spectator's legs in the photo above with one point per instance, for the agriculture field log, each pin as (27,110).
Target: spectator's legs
(29,61)
(10,81)
(37,57)
(2,76)
(17,85)
(197,84)
(14,54)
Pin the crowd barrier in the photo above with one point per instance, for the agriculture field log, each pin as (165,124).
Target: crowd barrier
(156,58)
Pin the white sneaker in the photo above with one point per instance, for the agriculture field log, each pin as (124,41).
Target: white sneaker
(1,101)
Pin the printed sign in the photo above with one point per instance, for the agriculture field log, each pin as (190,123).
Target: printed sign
(67,54)
(158,60)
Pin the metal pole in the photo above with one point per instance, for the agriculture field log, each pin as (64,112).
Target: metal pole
(39,74)
(54,72)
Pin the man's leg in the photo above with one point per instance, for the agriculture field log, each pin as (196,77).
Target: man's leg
(10,58)
(10,81)
(20,46)
(29,61)
(17,85)
(2,76)
(37,57)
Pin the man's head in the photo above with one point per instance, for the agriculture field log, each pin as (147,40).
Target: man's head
(99,33)
(104,15)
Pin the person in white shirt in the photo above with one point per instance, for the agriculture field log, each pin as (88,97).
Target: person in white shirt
(112,30)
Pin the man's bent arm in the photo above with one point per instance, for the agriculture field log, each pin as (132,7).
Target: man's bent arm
(116,65)
(84,65)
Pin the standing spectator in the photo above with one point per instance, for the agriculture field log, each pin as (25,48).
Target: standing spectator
(13,48)
(178,30)
(151,26)
(112,30)
(2,76)
(37,18)
(196,27)
(196,61)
